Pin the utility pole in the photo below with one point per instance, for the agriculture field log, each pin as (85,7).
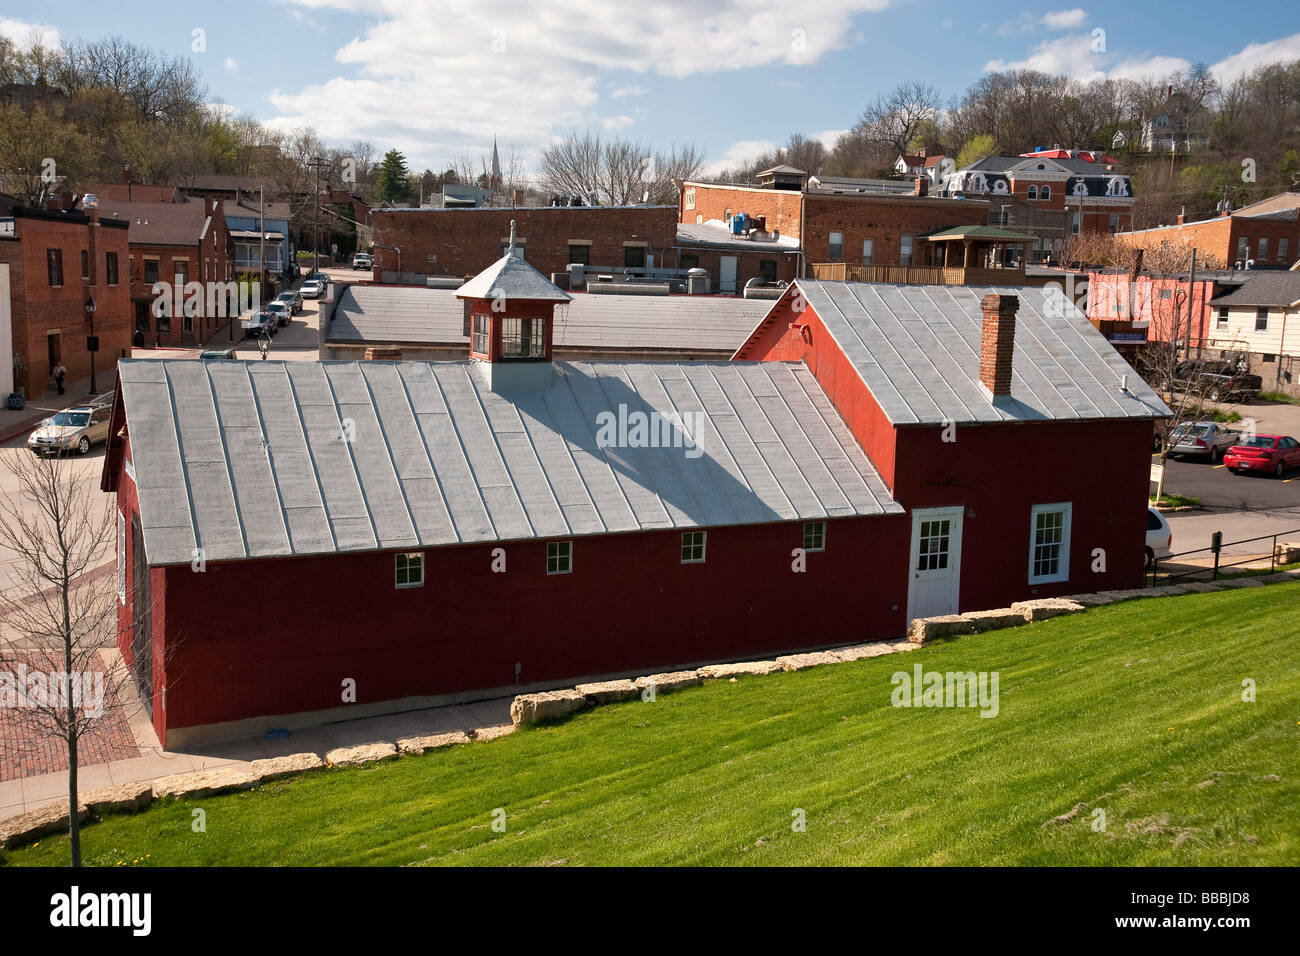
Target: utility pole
(1191,299)
(261,242)
(316,164)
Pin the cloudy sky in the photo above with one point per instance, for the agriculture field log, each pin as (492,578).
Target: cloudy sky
(436,79)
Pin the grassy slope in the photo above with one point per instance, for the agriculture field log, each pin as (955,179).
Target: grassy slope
(1135,708)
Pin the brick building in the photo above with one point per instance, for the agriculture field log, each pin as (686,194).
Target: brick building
(51,263)
(857,226)
(1269,236)
(177,244)
(462,242)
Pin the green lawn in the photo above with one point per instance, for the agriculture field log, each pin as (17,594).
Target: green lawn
(1135,709)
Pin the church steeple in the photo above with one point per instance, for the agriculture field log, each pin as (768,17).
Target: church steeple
(495,178)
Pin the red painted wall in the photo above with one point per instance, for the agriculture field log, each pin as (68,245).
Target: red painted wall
(629,604)
(998,471)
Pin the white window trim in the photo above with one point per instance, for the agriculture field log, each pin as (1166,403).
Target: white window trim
(824,530)
(704,547)
(1064,573)
(569,569)
(409,555)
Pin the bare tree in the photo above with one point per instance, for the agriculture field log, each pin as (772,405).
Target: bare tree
(58,614)
(616,172)
(895,119)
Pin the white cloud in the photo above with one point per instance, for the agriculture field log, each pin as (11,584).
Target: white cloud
(1150,67)
(23,33)
(220,110)
(628,91)
(829,137)
(616,122)
(740,152)
(1256,55)
(1065,19)
(527,69)
(1071,55)
(231,64)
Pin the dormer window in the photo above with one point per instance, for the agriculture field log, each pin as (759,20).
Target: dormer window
(523,338)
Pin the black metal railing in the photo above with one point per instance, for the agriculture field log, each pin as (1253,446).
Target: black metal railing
(1216,547)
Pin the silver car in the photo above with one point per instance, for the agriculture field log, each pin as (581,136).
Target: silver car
(1207,440)
(73,429)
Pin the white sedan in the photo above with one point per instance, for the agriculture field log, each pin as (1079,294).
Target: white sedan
(312,289)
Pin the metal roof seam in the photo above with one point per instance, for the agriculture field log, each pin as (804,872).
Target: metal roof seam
(568,453)
(180,457)
(356,473)
(796,459)
(698,439)
(464,454)
(766,418)
(225,456)
(311,457)
(776,482)
(1060,339)
(899,361)
(428,456)
(966,409)
(501,458)
(388,451)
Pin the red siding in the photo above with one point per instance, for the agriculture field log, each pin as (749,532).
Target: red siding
(628,605)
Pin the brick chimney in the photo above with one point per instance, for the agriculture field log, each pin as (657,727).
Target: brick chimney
(997,342)
(922,185)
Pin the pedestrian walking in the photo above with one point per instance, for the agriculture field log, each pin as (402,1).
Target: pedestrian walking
(59,374)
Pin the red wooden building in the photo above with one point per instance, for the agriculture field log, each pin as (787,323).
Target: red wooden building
(431,531)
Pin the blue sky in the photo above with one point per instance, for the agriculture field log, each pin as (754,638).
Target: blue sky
(438,79)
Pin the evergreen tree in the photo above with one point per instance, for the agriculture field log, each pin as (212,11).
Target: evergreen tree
(393,183)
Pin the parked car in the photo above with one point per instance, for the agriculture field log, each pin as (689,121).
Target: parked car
(257,323)
(210,355)
(1207,440)
(292,298)
(1277,454)
(1160,537)
(363,260)
(75,428)
(319,277)
(281,311)
(1217,381)
(312,289)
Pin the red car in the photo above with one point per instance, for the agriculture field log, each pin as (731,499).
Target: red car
(1269,453)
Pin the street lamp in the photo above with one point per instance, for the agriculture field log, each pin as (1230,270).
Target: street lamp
(92,343)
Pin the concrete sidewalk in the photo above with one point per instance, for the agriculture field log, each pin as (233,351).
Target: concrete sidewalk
(482,719)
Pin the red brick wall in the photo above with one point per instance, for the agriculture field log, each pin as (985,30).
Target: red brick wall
(748,264)
(38,308)
(467,241)
(884,220)
(780,207)
(1219,238)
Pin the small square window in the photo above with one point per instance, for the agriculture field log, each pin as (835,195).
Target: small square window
(693,547)
(634,257)
(580,254)
(409,569)
(559,557)
(814,536)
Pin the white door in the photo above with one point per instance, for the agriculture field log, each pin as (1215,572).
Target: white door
(727,274)
(935,562)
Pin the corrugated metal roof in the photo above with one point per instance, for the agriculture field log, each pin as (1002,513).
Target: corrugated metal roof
(513,278)
(247,459)
(623,323)
(918,349)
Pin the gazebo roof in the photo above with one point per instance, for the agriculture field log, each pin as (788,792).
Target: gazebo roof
(982,233)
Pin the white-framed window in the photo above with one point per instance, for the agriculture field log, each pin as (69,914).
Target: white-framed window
(814,536)
(121,558)
(408,570)
(1281,249)
(868,251)
(1243,248)
(905,250)
(1261,319)
(1049,543)
(1045,193)
(690,198)
(693,547)
(523,338)
(559,557)
(1033,192)
(480,342)
(835,245)
(1263,248)
(1223,317)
